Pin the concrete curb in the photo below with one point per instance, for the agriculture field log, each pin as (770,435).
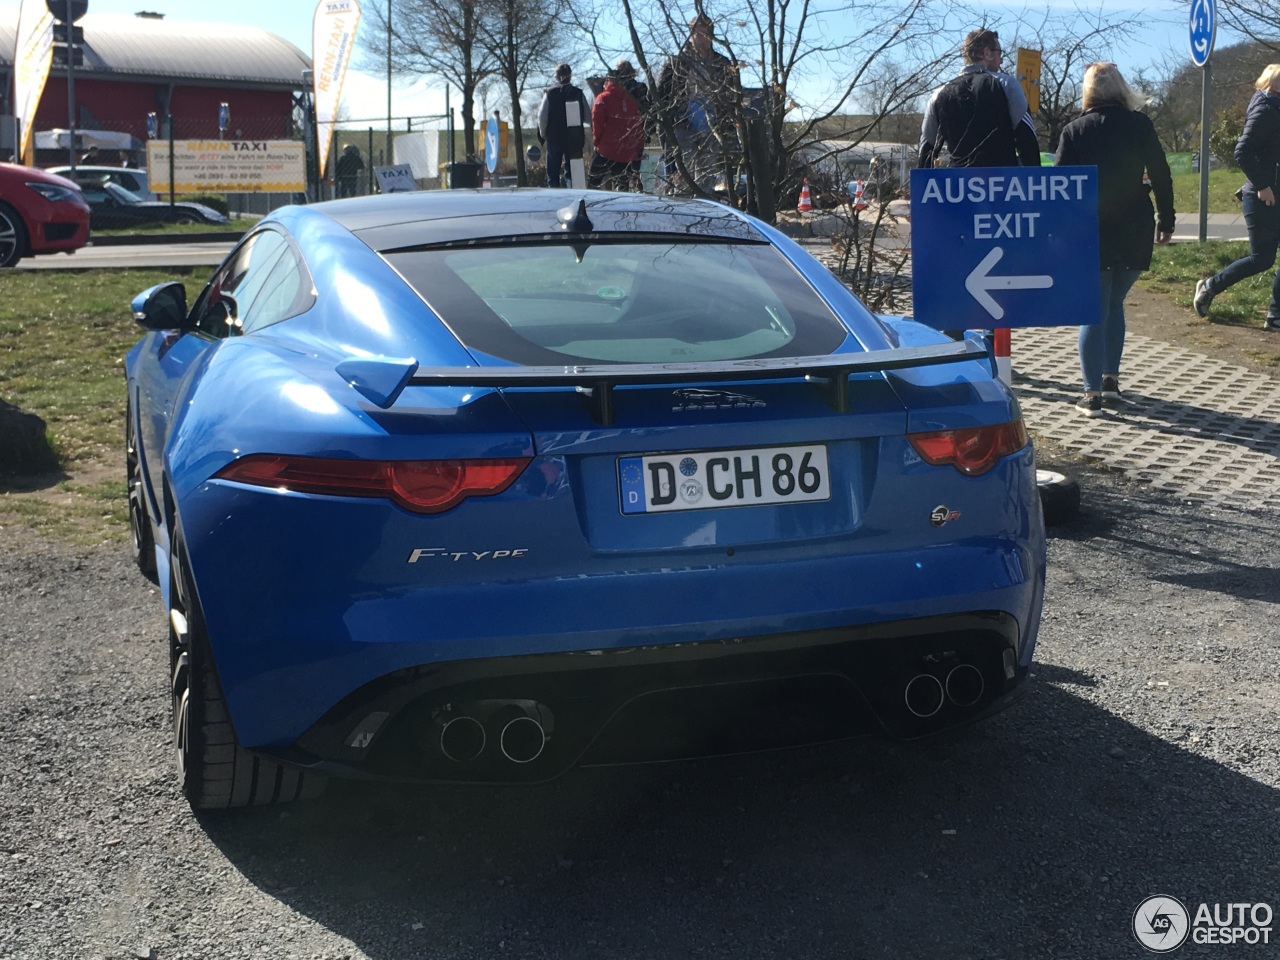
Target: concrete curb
(127,240)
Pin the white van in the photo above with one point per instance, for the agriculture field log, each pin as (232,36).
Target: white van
(131,178)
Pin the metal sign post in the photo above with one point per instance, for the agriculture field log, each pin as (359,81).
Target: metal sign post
(67,12)
(1202,29)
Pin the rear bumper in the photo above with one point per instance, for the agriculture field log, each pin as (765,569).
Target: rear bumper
(313,601)
(454,721)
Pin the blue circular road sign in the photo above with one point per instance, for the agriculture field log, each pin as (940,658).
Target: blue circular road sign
(491,144)
(1202,27)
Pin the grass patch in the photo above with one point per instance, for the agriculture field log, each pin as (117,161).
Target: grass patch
(239,225)
(62,347)
(1222,187)
(82,514)
(63,338)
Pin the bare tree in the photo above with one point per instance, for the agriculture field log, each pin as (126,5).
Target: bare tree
(438,38)
(1176,87)
(1068,42)
(1173,100)
(1259,20)
(521,37)
(776,48)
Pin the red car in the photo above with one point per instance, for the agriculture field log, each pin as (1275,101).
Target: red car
(39,213)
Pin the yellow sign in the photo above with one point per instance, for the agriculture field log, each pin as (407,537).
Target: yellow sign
(228,166)
(1029,76)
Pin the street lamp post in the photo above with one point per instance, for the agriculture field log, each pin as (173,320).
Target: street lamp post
(387,157)
(71,88)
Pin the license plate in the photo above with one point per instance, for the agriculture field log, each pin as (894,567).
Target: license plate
(723,478)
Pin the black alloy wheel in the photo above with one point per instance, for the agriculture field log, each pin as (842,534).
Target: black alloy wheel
(214,771)
(13,236)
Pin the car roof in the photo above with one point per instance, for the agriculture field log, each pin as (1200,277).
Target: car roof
(98,168)
(17,170)
(396,221)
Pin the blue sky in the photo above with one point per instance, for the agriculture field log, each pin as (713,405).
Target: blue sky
(365,95)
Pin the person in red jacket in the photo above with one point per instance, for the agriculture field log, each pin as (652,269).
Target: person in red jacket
(617,132)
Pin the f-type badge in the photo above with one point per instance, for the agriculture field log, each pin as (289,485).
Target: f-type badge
(942,514)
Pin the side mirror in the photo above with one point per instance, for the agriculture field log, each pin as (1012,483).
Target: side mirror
(162,307)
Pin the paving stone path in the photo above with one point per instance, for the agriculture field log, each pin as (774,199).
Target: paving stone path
(1193,426)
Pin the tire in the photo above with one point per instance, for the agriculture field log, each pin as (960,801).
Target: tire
(144,544)
(13,236)
(214,771)
(1059,496)
(186,219)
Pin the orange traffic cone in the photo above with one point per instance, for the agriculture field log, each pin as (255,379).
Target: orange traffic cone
(806,201)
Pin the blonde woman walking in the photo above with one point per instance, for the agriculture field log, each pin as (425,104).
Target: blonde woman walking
(1121,142)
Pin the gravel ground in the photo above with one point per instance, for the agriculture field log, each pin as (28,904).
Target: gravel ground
(1143,762)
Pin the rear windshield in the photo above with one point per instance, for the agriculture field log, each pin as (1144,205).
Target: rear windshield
(549,303)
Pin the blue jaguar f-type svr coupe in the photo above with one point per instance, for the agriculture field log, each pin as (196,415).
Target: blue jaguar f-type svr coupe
(483,485)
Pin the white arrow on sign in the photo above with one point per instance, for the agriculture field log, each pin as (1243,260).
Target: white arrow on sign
(978,283)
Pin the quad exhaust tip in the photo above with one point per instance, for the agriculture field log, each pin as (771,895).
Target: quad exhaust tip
(965,685)
(462,739)
(522,740)
(924,695)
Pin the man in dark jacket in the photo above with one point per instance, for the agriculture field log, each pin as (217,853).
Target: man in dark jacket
(563,111)
(697,94)
(348,170)
(981,116)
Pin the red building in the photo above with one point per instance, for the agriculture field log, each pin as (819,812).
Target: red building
(135,66)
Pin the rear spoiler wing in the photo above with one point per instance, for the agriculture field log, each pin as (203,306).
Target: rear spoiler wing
(382,379)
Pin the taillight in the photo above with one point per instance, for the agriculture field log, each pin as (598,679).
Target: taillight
(423,486)
(972,450)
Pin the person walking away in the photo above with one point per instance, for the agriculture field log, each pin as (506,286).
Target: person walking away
(1114,136)
(348,169)
(981,116)
(697,92)
(617,132)
(561,116)
(1258,155)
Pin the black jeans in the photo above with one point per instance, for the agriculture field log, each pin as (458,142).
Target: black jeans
(1263,223)
(558,157)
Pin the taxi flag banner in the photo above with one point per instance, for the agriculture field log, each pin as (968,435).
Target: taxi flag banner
(33,56)
(333,35)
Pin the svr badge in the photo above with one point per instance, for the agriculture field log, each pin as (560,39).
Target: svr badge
(941,514)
